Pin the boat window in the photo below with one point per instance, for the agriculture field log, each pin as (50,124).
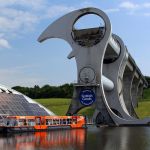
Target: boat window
(22,122)
(31,122)
(64,121)
(49,121)
(11,122)
(69,121)
(57,121)
(38,121)
(61,121)
(74,120)
(54,122)
(8,122)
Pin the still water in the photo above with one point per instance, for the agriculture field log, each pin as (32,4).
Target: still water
(108,138)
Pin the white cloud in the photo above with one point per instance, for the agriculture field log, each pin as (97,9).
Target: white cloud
(146,14)
(87,4)
(129,5)
(57,10)
(4,43)
(133,6)
(23,3)
(18,17)
(146,5)
(140,9)
(111,10)
(12,20)
(16,21)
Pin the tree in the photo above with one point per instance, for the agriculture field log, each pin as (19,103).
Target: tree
(47,91)
(148,80)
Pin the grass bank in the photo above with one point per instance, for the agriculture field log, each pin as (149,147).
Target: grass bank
(146,94)
(57,105)
(60,106)
(143,109)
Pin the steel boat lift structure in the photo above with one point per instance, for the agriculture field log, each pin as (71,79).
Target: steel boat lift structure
(108,78)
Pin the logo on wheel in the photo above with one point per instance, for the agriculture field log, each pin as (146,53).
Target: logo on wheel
(87,97)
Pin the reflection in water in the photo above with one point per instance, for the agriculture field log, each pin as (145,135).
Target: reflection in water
(119,138)
(62,139)
(109,138)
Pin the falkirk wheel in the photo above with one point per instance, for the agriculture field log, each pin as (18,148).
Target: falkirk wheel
(108,78)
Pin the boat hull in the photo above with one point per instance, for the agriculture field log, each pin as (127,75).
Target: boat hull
(32,129)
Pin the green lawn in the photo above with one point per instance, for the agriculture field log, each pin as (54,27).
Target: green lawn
(57,105)
(60,106)
(143,109)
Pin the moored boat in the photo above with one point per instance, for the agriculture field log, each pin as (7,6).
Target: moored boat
(41,123)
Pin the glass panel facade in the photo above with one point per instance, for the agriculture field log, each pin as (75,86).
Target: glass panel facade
(14,104)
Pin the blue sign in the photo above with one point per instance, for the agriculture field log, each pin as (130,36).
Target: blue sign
(87,97)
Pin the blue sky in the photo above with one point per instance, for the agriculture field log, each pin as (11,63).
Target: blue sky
(25,62)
